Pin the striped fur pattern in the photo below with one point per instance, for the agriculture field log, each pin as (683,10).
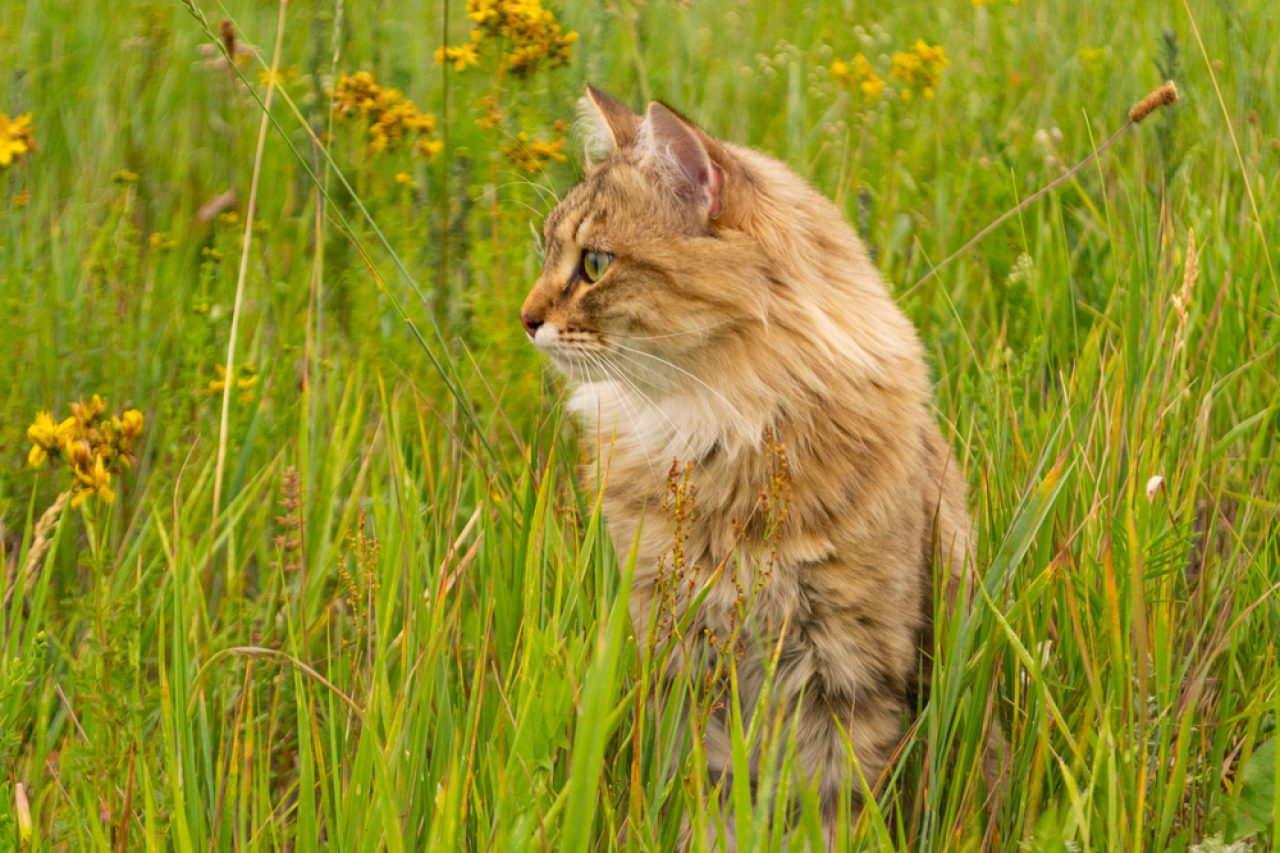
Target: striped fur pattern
(741,315)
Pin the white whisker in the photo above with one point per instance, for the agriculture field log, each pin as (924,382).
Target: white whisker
(675,430)
(676,367)
(628,410)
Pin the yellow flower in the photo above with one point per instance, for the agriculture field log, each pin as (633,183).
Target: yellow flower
(131,423)
(391,117)
(532,157)
(246,382)
(919,68)
(859,74)
(22,199)
(69,430)
(90,444)
(244,378)
(92,480)
(162,241)
(404,178)
(88,412)
(461,56)
(80,454)
(430,148)
(16,138)
(43,431)
(529,31)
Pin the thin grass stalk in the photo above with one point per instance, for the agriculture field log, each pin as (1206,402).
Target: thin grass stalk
(238,304)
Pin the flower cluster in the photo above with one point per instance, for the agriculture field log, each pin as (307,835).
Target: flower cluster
(244,378)
(532,156)
(529,32)
(462,55)
(17,139)
(392,119)
(915,71)
(91,444)
(858,74)
(920,68)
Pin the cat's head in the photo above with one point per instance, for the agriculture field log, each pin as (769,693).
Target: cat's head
(646,265)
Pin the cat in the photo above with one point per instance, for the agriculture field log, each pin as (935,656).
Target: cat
(714,313)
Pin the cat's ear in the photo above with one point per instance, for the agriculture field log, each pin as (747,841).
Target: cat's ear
(680,151)
(608,124)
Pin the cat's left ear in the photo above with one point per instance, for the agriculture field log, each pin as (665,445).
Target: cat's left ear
(681,151)
(608,125)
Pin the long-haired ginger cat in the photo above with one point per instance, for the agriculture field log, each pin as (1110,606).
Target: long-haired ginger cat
(712,308)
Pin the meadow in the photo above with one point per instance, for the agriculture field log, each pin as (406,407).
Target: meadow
(316,571)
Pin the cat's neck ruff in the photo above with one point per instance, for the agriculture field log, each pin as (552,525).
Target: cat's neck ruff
(685,425)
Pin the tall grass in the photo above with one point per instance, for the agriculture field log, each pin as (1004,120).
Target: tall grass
(407,629)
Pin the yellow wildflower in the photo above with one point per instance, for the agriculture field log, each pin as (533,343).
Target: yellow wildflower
(79,453)
(859,74)
(532,156)
(461,56)
(91,445)
(92,479)
(22,199)
(69,430)
(529,30)
(390,116)
(404,178)
(919,68)
(162,241)
(430,148)
(247,381)
(43,430)
(86,412)
(244,378)
(16,138)
(131,423)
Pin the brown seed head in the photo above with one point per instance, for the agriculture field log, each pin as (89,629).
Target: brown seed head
(1162,97)
(228,32)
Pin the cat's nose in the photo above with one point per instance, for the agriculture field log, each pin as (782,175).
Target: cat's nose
(531,324)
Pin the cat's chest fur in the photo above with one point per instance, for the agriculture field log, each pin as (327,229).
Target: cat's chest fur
(766,504)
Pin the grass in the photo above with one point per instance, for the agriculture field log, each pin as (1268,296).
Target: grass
(406,629)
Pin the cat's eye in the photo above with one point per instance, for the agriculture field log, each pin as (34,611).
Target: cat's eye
(594,264)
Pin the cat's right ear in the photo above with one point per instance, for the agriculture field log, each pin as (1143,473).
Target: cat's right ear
(608,124)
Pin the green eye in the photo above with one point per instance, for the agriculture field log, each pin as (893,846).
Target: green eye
(594,264)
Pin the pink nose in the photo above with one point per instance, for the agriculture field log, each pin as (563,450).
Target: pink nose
(530,324)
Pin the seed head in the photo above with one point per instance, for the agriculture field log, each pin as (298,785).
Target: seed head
(1162,97)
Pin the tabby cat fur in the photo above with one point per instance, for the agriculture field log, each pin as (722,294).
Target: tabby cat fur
(738,317)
